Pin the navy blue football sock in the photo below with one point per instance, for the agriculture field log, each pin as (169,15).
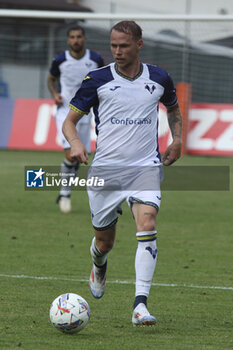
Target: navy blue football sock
(140,299)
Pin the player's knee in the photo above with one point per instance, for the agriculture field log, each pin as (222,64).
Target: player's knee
(147,224)
(104,245)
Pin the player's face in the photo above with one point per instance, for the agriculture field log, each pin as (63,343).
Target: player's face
(125,49)
(76,40)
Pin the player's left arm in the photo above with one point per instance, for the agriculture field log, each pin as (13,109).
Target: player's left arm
(173,151)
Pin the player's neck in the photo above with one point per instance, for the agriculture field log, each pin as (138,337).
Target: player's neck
(79,54)
(131,71)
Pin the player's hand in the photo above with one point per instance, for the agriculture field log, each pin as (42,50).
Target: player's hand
(58,99)
(172,153)
(78,151)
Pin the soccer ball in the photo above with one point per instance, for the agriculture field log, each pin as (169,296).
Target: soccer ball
(69,313)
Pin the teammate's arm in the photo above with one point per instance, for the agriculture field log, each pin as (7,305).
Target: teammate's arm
(78,151)
(51,82)
(173,151)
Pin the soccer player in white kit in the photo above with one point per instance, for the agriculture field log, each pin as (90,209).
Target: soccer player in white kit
(70,67)
(125,97)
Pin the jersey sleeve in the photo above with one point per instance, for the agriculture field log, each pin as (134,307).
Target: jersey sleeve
(96,57)
(86,97)
(169,97)
(55,66)
(54,69)
(100,62)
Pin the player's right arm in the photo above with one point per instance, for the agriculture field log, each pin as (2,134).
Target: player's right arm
(51,82)
(85,98)
(78,151)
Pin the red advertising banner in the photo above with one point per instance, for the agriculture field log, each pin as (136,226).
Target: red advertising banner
(33,125)
(210,127)
(210,130)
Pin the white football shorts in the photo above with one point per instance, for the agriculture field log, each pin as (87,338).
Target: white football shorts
(83,128)
(105,205)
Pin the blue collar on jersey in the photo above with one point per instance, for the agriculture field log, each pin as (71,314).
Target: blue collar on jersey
(125,76)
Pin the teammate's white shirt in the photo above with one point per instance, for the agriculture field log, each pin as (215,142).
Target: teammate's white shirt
(126,113)
(72,71)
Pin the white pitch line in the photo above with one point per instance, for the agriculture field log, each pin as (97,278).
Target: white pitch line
(115,282)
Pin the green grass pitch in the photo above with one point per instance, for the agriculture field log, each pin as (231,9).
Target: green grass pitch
(45,253)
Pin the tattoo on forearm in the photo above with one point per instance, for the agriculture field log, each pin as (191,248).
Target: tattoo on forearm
(175,122)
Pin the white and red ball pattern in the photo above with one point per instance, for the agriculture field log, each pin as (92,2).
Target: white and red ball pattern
(69,313)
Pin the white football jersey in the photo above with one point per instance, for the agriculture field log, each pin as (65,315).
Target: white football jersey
(71,71)
(126,113)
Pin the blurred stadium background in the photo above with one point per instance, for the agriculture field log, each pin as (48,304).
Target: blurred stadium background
(196,49)
(44,253)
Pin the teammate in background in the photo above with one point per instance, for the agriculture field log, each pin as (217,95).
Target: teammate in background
(70,67)
(125,96)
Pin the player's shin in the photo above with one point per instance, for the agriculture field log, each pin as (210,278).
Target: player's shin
(69,172)
(97,280)
(145,262)
(98,258)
